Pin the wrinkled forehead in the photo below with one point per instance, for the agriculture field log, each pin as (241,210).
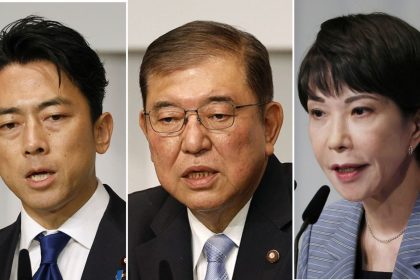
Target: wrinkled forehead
(214,76)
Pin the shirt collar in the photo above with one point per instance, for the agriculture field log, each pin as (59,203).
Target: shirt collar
(81,227)
(200,233)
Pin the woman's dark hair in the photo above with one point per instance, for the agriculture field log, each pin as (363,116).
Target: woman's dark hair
(374,53)
(34,38)
(194,42)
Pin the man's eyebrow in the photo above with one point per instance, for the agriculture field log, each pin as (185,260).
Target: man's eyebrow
(53,102)
(162,104)
(11,110)
(216,98)
(359,96)
(45,104)
(219,98)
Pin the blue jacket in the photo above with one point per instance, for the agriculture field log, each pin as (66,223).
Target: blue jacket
(328,248)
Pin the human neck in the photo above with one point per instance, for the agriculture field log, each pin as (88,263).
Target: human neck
(54,218)
(389,214)
(218,221)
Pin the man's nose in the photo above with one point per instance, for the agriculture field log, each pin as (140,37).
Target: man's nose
(195,139)
(34,139)
(339,138)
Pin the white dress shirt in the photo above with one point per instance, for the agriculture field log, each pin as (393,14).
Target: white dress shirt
(81,227)
(200,234)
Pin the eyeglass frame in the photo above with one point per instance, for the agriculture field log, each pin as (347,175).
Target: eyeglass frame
(234,106)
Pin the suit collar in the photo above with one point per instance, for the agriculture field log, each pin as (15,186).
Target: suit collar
(268,227)
(408,260)
(9,238)
(109,245)
(342,245)
(274,192)
(172,245)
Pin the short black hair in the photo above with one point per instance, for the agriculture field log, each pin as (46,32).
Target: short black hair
(196,41)
(375,53)
(34,38)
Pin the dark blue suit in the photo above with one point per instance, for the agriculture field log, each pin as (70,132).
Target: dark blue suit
(107,250)
(159,233)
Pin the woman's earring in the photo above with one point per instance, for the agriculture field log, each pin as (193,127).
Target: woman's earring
(410,150)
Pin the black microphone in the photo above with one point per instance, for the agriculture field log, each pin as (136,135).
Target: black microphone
(24,266)
(165,272)
(311,214)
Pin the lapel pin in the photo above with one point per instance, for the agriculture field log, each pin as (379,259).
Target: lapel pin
(121,272)
(272,256)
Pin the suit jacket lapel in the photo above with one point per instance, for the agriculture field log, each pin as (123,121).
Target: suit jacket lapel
(109,245)
(268,227)
(341,247)
(408,260)
(172,244)
(9,238)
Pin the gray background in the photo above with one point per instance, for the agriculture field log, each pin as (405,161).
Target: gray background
(269,20)
(103,26)
(309,14)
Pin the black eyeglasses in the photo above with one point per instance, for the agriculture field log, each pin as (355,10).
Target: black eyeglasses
(216,115)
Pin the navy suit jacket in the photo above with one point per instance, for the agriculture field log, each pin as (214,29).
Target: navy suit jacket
(329,247)
(159,234)
(107,250)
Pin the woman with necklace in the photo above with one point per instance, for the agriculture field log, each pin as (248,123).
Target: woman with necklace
(360,84)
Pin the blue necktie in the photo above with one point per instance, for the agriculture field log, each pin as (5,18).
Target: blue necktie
(217,248)
(51,247)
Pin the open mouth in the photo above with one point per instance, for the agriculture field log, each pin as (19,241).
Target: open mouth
(39,176)
(195,175)
(348,172)
(199,177)
(343,169)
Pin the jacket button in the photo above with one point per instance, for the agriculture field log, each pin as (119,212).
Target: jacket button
(272,256)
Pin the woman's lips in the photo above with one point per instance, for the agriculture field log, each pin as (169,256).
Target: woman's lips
(348,172)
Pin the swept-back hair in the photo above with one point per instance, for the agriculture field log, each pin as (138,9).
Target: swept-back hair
(194,42)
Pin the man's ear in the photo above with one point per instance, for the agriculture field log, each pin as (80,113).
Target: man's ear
(102,132)
(273,120)
(142,123)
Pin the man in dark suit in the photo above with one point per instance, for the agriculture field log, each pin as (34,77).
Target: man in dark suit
(51,127)
(224,208)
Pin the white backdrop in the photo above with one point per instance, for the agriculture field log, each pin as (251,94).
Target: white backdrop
(309,14)
(103,26)
(269,20)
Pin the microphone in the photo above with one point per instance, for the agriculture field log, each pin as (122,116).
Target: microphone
(24,266)
(165,272)
(310,215)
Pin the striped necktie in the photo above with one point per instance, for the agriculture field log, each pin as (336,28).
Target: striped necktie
(216,249)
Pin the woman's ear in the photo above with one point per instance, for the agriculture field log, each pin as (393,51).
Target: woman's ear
(415,139)
(273,120)
(102,132)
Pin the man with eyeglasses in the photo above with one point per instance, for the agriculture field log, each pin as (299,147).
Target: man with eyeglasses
(224,208)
